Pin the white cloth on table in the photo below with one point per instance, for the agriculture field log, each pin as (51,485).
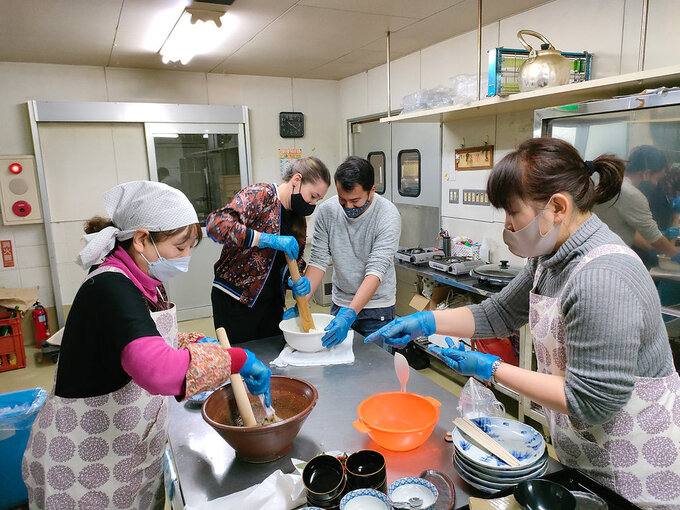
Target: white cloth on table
(279,491)
(338,355)
(154,206)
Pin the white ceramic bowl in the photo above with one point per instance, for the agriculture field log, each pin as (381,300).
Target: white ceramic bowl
(364,499)
(405,488)
(305,342)
(667,264)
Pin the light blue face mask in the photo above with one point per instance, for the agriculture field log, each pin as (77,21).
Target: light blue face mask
(355,212)
(164,269)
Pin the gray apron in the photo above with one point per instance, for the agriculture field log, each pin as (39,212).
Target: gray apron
(101,452)
(637,452)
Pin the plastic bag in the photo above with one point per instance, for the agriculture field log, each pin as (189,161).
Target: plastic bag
(476,401)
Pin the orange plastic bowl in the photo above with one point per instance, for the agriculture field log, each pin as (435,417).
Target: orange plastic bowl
(398,421)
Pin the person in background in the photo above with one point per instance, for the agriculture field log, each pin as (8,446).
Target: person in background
(263,224)
(98,441)
(359,232)
(629,214)
(605,375)
(165,177)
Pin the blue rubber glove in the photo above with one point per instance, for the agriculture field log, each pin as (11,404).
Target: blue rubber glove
(465,362)
(300,288)
(338,328)
(676,258)
(287,244)
(256,375)
(402,330)
(676,205)
(672,232)
(291,313)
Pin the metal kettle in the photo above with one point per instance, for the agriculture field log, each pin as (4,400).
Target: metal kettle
(545,67)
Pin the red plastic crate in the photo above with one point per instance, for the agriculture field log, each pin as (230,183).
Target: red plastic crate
(12,352)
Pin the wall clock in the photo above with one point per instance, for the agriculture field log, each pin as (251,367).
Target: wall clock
(291,124)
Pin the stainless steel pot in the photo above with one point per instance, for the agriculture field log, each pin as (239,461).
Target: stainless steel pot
(545,67)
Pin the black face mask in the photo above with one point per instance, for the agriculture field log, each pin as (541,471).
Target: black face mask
(299,205)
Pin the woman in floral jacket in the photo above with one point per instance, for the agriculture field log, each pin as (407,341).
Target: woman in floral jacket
(261,224)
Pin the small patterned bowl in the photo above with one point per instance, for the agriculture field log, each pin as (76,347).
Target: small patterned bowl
(365,499)
(405,488)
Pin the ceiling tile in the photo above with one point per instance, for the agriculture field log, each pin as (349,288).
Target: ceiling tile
(408,8)
(326,35)
(77,32)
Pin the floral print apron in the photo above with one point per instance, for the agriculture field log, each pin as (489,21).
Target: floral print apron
(637,452)
(101,452)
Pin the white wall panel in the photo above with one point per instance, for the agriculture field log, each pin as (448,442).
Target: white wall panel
(129,150)
(663,34)
(318,100)
(22,82)
(142,85)
(80,164)
(457,55)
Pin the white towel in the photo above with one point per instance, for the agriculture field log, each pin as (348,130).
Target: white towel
(338,355)
(278,491)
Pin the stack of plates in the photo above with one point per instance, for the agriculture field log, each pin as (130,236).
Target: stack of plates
(488,473)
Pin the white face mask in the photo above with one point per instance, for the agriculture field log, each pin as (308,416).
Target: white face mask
(164,269)
(529,242)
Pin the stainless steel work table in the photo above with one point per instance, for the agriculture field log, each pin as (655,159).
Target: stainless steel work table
(206,464)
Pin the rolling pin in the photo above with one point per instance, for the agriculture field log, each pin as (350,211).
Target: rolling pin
(302,303)
(238,386)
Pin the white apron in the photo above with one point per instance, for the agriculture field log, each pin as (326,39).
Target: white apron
(637,452)
(102,452)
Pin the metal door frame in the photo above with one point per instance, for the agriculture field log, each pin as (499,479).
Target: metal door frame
(110,112)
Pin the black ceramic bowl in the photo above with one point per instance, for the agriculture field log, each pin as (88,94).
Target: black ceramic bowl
(366,470)
(324,479)
(538,494)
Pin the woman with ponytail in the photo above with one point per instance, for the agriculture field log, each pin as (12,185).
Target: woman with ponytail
(605,374)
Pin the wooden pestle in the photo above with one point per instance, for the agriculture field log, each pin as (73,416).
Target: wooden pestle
(238,386)
(302,303)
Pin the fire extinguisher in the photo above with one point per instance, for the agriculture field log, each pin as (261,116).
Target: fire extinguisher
(40,326)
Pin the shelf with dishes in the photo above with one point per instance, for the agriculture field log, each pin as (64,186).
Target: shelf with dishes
(560,95)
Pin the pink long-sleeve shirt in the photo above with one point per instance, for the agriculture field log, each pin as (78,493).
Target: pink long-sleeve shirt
(150,361)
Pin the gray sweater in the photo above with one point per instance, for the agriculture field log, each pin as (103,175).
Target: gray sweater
(614,328)
(629,213)
(358,247)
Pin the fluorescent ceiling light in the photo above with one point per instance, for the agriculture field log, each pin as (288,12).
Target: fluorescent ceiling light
(196,32)
(165,135)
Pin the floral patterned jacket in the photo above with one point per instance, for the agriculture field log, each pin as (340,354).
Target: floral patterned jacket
(242,269)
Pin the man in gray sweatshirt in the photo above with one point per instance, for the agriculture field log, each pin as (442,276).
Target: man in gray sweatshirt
(358,230)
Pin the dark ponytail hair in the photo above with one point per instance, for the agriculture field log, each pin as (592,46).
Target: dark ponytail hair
(541,167)
(99,223)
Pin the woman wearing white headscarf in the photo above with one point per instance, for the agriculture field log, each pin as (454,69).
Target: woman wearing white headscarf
(98,441)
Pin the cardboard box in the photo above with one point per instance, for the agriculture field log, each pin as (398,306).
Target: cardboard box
(421,303)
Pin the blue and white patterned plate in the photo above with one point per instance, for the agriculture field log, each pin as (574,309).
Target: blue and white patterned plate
(477,485)
(497,474)
(405,488)
(523,442)
(364,499)
(494,484)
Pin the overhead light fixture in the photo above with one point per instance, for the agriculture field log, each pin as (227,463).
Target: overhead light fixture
(196,32)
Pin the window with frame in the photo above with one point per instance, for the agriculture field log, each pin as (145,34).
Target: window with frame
(377,161)
(409,172)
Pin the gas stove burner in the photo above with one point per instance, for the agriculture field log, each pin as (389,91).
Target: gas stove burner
(455,265)
(418,255)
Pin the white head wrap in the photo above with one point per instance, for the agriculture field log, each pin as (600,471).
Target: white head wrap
(154,206)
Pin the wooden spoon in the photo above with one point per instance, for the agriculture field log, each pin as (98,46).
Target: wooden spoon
(302,303)
(238,386)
